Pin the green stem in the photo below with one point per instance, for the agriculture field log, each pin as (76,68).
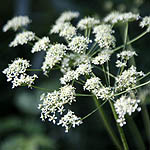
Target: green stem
(107,124)
(146,121)
(34,69)
(125,35)
(133,40)
(122,135)
(42,89)
(83,94)
(108,73)
(135,132)
(132,88)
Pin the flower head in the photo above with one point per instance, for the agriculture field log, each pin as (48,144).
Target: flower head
(69,120)
(53,56)
(42,44)
(17,67)
(79,44)
(16,22)
(22,38)
(67,16)
(125,105)
(88,22)
(116,17)
(145,23)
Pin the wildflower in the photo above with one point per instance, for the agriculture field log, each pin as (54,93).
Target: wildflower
(104,93)
(54,54)
(68,32)
(70,120)
(125,105)
(67,94)
(67,16)
(51,104)
(69,76)
(124,56)
(116,17)
(84,69)
(42,44)
(92,84)
(127,79)
(88,22)
(145,23)
(79,44)
(16,22)
(17,67)
(23,38)
(24,79)
(102,57)
(104,37)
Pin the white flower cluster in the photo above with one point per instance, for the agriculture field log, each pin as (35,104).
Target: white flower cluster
(123,57)
(54,102)
(102,57)
(16,22)
(145,23)
(125,105)
(127,79)
(42,44)
(79,44)
(83,69)
(22,38)
(16,73)
(65,30)
(95,86)
(67,16)
(92,84)
(70,120)
(116,17)
(103,36)
(54,54)
(88,23)
(24,79)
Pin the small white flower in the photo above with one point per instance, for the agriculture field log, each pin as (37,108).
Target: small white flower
(17,67)
(67,16)
(57,28)
(104,93)
(88,22)
(79,44)
(23,38)
(54,54)
(116,17)
(70,120)
(16,23)
(145,23)
(125,105)
(92,84)
(24,79)
(84,69)
(124,56)
(69,76)
(68,32)
(104,37)
(102,57)
(127,79)
(42,44)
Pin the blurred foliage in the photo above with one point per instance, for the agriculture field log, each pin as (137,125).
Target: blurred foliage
(20,124)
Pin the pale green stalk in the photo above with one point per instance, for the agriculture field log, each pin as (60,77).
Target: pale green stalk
(107,124)
(122,135)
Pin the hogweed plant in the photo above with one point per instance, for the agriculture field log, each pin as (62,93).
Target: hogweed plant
(87,46)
